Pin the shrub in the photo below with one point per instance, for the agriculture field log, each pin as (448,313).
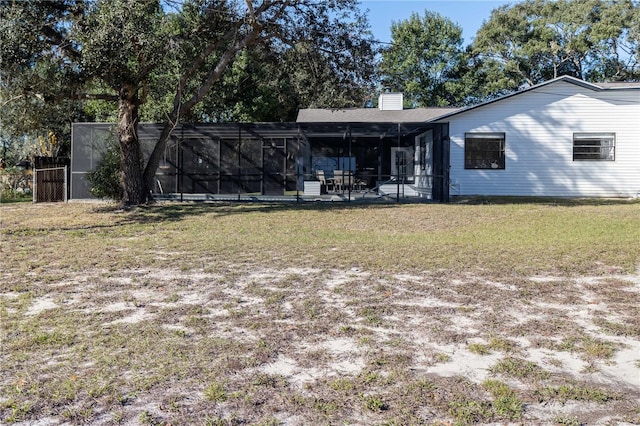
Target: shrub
(15,184)
(105,179)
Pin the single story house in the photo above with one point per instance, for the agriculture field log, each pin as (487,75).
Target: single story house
(564,138)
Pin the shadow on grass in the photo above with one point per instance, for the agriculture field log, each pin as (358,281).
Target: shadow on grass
(176,211)
(171,212)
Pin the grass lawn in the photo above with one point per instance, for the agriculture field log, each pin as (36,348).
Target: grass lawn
(224,314)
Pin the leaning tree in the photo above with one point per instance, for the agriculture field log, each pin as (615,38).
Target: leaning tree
(115,50)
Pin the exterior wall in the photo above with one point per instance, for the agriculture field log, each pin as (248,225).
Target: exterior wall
(539,127)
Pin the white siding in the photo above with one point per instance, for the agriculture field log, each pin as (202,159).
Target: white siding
(539,127)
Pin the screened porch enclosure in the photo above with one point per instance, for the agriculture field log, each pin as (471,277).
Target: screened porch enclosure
(332,161)
(398,160)
(232,159)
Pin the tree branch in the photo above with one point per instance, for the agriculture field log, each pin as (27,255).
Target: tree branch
(214,75)
(58,40)
(87,96)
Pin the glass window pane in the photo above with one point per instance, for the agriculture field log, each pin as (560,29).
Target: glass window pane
(484,151)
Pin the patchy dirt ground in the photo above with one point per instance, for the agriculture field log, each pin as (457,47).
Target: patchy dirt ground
(231,345)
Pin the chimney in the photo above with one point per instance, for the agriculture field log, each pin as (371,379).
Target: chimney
(390,101)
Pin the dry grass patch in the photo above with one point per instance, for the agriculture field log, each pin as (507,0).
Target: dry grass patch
(286,314)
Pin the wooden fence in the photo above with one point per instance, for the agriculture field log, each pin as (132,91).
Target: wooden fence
(50,185)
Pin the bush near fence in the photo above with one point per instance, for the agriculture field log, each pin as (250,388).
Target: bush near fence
(15,184)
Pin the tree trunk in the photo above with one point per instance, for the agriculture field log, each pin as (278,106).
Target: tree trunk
(158,150)
(134,188)
(180,107)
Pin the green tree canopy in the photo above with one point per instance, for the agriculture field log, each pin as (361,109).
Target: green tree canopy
(422,59)
(163,57)
(521,44)
(537,40)
(31,86)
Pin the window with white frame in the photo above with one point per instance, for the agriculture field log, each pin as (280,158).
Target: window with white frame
(484,151)
(594,146)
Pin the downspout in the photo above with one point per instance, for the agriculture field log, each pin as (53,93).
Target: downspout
(350,154)
(181,165)
(238,176)
(398,167)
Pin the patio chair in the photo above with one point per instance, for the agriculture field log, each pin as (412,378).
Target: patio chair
(343,179)
(323,180)
(359,184)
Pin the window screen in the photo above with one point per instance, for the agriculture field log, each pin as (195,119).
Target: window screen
(594,146)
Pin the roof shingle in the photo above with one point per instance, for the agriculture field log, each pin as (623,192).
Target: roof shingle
(370,115)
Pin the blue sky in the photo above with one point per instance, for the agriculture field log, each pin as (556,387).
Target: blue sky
(469,14)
